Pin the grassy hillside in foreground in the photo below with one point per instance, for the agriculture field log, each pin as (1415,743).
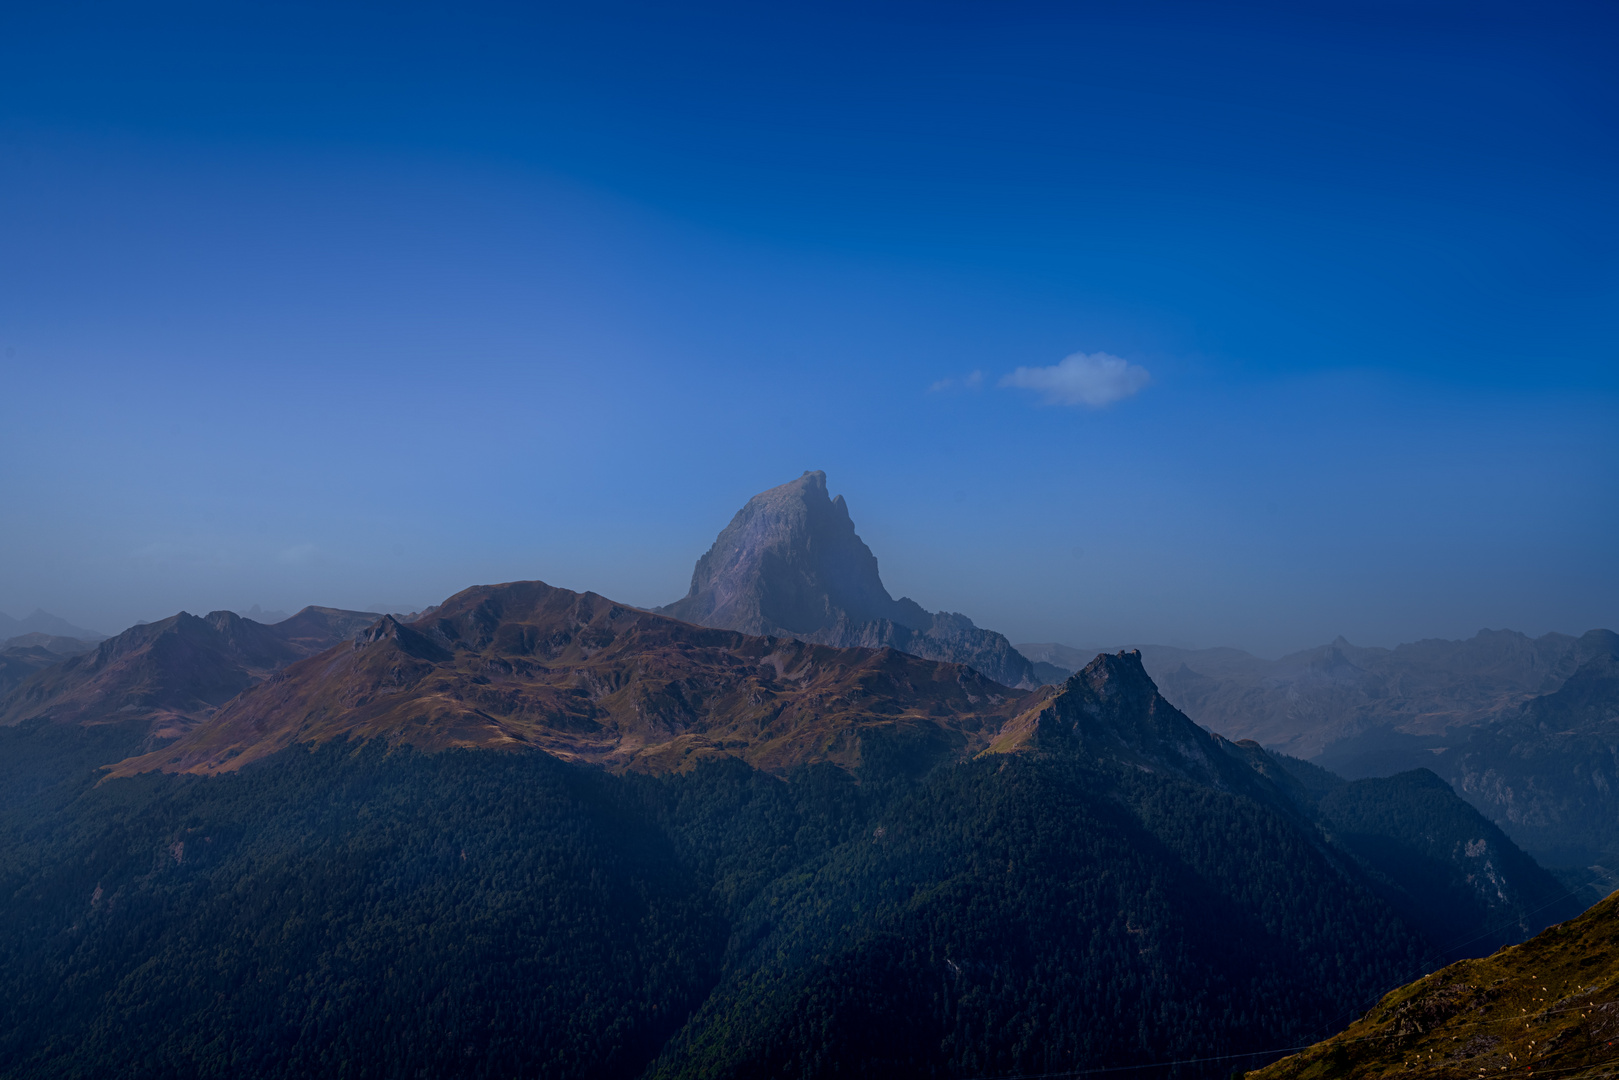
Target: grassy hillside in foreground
(1548,1007)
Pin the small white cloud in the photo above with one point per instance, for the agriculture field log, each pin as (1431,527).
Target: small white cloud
(941,386)
(296,554)
(973,381)
(1092,380)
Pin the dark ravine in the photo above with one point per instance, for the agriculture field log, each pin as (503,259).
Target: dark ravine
(790,564)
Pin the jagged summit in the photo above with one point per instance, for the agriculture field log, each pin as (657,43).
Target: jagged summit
(1112,711)
(790,564)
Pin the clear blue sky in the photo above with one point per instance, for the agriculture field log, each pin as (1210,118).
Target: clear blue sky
(339,304)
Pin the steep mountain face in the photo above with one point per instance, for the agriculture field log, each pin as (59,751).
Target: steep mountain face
(168,675)
(801,861)
(791,565)
(1548,1007)
(1549,771)
(527,666)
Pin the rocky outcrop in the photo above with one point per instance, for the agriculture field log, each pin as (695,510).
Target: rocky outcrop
(790,564)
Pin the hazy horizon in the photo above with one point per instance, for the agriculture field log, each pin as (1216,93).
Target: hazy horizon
(1157,323)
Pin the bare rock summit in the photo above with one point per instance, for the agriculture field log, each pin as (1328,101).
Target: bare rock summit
(790,564)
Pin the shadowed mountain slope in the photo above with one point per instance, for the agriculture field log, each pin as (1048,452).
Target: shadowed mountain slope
(1548,1007)
(1424,848)
(18,662)
(1549,770)
(1438,860)
(172,673)
(527,666)
(791,565)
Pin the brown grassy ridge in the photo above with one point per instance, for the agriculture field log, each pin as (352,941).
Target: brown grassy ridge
(1546,1008)
(527,666)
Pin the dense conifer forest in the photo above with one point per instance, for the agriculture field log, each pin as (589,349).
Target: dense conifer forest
(359,912)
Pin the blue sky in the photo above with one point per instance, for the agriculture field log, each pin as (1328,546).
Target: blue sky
(342,304)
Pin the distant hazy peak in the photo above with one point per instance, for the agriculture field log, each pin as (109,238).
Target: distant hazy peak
(259,615)
(43,622)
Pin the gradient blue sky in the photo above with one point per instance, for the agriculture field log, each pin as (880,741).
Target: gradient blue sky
(354,304)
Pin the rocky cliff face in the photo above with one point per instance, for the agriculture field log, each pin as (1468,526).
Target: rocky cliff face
(790,564)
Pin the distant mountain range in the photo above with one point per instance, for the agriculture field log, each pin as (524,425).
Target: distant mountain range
(43,622)
(791,565)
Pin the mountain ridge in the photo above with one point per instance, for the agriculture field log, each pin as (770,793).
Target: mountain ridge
(172,673)
(524,665)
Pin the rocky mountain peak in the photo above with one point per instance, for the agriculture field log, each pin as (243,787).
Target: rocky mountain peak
(790,560)
(790,564)
(1111,710)
(1118,678)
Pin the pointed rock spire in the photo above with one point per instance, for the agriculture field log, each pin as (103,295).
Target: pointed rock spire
(790,564)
